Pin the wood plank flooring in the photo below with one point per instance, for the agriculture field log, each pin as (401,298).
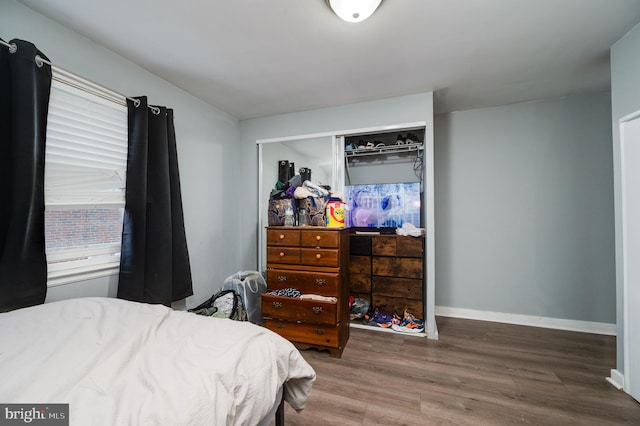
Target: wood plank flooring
(477,373)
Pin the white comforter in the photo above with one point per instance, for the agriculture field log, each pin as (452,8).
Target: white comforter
(124,363)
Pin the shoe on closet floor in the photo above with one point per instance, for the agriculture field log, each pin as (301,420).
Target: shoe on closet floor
(409,327)
(409,324)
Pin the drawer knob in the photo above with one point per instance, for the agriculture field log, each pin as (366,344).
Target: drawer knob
(281,254)
(277,305)
(282,278)
(320,281)
(317,237)
(317,309)
(319,331)
(318,256)
(280,325)
(282,236)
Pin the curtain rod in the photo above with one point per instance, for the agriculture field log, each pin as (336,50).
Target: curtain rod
(99,90)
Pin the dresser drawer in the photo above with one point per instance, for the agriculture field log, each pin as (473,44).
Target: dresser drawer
(315,238)
(283,237)
(294,309)
(360,265)
(319,257)
(405,267)
(324,284)
(313,334)
(399,246)
(288,255)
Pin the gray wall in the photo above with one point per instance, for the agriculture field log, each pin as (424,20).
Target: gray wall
(625,99)
(524,209)
(207,148)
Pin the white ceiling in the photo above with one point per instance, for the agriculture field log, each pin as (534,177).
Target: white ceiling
(254,58)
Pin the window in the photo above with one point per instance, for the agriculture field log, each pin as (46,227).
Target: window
(85,174)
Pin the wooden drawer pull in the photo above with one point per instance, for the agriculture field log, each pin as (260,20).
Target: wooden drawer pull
(281,254)
(320,281)
(319,331)
(282,236)
(317,309)
(318,237)
(280,325)
(282,278)
(318,256)
(277,305)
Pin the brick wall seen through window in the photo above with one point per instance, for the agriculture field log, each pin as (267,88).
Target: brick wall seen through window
(78,228)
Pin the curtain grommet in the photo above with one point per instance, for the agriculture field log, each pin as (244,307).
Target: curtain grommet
(13,48)
(39,61)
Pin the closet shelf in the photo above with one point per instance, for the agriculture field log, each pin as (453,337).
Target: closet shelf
(387,149)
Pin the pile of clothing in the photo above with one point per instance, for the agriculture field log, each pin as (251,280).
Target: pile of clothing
(296,195)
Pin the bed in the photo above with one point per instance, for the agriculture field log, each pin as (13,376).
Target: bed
(127,363)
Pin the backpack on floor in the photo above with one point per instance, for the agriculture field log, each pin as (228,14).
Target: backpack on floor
(224,304)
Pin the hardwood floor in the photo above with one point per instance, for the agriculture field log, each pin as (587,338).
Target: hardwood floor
(477,373)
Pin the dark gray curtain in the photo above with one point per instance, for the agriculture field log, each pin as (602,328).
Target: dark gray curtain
(154,261)
(24,103)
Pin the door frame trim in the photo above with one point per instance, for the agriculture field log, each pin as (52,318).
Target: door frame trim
(627,381)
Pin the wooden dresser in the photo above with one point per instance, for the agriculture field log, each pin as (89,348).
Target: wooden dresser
(388,271)
(312,260)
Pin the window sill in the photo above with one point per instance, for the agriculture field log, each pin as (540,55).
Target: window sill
(64,277)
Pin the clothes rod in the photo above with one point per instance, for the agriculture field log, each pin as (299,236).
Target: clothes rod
(99,90)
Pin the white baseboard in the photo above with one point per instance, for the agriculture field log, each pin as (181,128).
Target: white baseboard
(530,320)
(616,379)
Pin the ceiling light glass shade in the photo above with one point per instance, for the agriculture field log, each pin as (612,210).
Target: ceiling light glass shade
(354,10)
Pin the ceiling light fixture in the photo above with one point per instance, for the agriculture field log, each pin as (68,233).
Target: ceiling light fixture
(353,10)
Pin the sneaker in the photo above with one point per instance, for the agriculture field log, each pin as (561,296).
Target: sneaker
(381,319)
(396,319)
(409,327)
(409,324)
(410,318)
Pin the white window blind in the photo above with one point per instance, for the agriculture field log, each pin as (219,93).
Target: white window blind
(85,176)
(86,149)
